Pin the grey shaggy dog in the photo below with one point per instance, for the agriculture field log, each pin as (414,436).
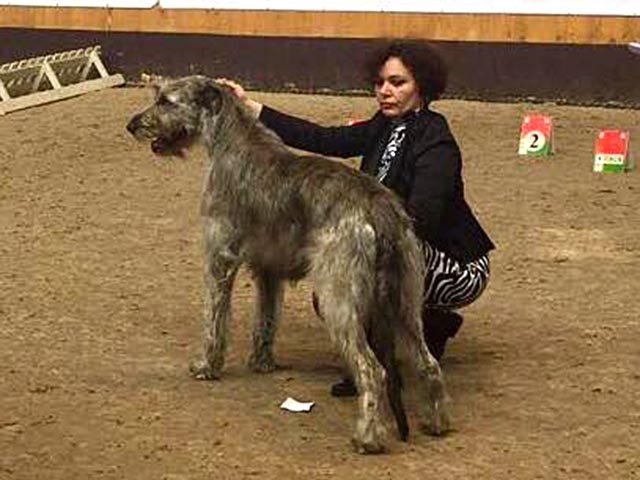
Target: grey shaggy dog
(288,216)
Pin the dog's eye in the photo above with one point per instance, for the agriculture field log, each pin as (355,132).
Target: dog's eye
(163,101)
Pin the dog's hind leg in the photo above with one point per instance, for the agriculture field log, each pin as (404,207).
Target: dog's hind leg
(435,417)
(268,308)
(347,332)
(409,272)
(343,270)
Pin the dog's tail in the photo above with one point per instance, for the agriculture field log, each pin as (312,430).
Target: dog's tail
(392,269)
(400,272)
(381,337)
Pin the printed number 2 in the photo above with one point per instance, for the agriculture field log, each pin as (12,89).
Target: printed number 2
(536,141)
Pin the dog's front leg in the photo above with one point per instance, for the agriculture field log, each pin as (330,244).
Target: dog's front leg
(268,309)
(220,272)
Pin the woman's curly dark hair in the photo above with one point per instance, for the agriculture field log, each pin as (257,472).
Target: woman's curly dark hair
(421,58)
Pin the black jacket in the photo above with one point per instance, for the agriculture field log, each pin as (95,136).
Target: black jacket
(426,173)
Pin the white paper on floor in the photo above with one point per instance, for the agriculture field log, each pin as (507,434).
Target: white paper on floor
(294,405)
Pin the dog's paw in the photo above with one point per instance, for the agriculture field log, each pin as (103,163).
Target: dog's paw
(262,363)
(370,437)
(202,370)
(436,420)
(368,446)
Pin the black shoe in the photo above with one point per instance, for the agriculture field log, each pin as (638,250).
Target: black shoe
(344,388)
(436,346)
(440,326)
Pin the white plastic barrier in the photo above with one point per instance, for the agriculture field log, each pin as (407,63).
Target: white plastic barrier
(33,81)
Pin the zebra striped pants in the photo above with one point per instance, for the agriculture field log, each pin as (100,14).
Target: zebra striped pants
(450,284)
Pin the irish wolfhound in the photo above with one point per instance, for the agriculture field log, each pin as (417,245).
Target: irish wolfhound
(286,217)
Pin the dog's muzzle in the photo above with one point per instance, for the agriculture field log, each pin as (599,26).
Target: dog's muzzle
(163,145)
(134,124)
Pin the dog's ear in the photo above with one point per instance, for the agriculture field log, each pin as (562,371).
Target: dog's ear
(156,82)
(210,97)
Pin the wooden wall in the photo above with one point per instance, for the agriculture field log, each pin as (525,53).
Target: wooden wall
(447,27)
(573,59)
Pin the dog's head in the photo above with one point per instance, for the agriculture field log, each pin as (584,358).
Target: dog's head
(173,122)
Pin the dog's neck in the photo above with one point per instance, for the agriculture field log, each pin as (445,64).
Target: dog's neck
(234,129)
(236,144)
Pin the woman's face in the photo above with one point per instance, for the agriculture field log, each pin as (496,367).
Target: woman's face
(396,90)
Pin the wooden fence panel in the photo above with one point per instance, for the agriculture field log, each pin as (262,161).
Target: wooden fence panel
(455,27)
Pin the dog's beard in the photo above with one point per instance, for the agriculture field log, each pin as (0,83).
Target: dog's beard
(173,145)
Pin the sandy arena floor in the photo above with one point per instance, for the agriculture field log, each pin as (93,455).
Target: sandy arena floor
(101,301)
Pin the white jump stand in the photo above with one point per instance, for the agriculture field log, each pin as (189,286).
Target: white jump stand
(34,81)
